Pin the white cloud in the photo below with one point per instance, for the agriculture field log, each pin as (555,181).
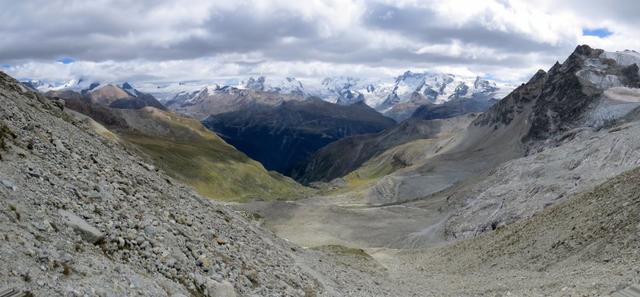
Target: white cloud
(205,40)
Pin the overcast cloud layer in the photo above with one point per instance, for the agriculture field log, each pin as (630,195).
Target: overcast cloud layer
(171,40)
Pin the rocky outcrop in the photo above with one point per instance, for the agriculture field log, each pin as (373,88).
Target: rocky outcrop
(568,111)
(556,101)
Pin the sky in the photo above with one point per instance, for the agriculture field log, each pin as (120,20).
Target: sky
(182,40)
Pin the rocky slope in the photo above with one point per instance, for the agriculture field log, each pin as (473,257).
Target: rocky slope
(564,94)
(281,137)
(568,145)
(187,151)
(585,246)
(523,187)
(84,216)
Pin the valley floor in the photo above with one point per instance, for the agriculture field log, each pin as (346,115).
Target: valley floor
(339,220)
(397,256)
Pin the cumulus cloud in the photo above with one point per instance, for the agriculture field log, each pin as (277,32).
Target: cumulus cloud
(199,39)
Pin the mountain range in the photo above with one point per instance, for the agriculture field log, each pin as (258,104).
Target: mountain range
(109,95)
(395,97)
(277,125)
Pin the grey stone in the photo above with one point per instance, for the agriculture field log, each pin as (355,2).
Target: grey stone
(58,143)
(147,166)
(9,184)
(88,232)
(219,289)
(94,195)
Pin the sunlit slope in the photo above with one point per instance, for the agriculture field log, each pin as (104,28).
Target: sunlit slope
(189,152)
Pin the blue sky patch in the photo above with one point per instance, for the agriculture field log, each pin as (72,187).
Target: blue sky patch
(489,76)
(67,60)
(6,66)
(598,32)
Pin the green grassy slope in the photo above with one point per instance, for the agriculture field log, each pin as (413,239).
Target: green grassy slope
(189,152)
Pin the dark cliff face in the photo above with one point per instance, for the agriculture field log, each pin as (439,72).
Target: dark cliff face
(562,100)
(283,136)
(558,100)
(502,113)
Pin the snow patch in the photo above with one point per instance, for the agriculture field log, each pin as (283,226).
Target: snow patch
(617,102)
(624,58)
(623,94)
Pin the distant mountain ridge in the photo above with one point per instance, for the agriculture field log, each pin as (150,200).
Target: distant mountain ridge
(413,90)
(396,97)
(123,96)
(213,100)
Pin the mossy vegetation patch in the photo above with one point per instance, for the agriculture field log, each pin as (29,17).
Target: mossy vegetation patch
(5,135)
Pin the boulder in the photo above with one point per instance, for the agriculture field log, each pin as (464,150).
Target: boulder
(88,232)
(8,184)
(219,289)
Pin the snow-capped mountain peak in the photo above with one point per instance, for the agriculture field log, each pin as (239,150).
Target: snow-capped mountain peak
(389,95)
(129,89)
(437,88)
(339,82)
(77,85)
(343,88)
(256,84)
(286,85)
